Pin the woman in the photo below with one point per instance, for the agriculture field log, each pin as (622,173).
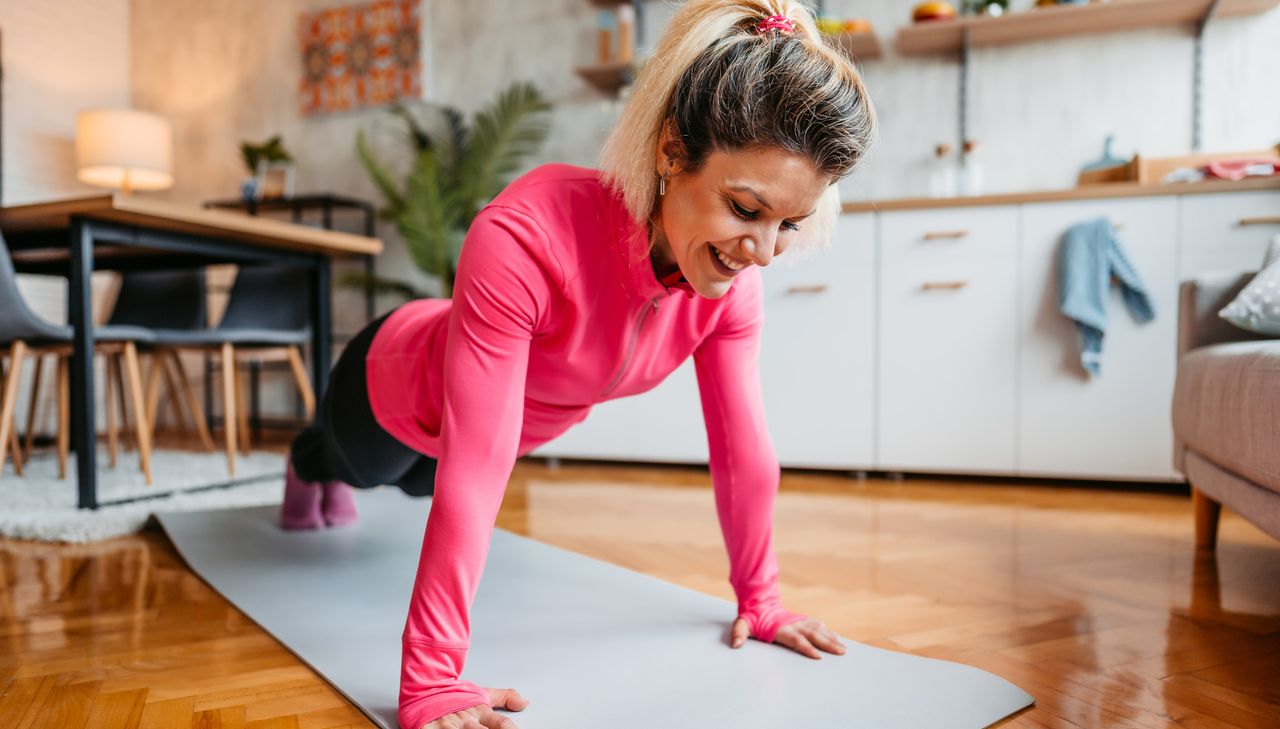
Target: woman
(577,286)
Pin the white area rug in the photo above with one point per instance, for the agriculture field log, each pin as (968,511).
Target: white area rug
(41,506)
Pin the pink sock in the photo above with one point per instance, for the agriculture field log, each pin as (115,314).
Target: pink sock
(339,503)
(301,506)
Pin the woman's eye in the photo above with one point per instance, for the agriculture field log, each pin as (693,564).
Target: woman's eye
(742,212)
(745,214)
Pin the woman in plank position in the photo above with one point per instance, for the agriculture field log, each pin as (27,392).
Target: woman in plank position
(576,286)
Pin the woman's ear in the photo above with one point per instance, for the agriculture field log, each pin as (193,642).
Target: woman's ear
(670,150)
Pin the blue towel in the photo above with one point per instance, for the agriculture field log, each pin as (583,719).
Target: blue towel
(1089,259)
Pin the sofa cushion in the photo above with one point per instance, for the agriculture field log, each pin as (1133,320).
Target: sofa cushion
(1226,407)
(1257,307)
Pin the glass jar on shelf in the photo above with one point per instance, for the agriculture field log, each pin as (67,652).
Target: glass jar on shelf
(942,173)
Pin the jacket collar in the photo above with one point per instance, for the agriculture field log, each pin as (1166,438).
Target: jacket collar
(632,245)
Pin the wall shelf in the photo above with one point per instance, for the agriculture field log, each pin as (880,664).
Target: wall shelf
(861,46)
(941,36)
(608,77)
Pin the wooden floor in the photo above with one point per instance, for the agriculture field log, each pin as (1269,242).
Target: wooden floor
(1094,601)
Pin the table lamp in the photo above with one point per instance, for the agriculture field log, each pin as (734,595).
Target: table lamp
(124,149)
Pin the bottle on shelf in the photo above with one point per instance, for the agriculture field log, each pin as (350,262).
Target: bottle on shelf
(972,174)
(626,16)
(942,175)
(605,23)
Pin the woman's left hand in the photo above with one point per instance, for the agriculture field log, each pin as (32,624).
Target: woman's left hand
(803,636)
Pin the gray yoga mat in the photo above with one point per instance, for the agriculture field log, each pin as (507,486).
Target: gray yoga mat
(588,643)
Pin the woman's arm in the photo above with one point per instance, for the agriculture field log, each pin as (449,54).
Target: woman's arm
(501,297)
(744,470)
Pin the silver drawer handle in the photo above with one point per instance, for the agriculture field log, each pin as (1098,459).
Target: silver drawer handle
(940,234)
(1269,220)
(936,285)
(809,289)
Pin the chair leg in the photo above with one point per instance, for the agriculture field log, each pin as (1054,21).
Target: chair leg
(32,408)
(171,391)
(229,404)
(193,403)
(122,392)
(1207,513)
(141,424)
(17,353)
(15,447)
(153,394)
(109,405)
(242,412)
(304,382)
(64,413)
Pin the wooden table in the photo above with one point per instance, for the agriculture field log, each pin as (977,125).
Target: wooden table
(124,232)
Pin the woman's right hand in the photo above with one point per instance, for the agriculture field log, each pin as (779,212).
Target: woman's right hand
(484,717)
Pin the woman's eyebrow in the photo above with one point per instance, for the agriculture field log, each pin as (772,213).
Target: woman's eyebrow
(762,201)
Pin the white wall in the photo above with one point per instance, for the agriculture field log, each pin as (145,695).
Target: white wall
(59,56)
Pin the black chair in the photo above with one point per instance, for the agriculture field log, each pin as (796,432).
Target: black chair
(23,333)
(268,310)
(172,305)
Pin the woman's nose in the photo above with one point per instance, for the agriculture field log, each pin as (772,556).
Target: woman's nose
(760,249)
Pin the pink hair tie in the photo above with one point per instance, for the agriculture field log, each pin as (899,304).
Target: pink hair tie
(776,22)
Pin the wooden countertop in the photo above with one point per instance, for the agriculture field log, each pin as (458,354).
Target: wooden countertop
(182,218)
(1092,192)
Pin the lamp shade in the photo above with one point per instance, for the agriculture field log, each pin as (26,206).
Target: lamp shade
(125,149)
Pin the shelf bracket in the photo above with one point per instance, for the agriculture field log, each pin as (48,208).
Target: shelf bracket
(1197,78)
(639,7)
(963,101)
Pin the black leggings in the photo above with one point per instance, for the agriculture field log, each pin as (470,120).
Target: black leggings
(345,443)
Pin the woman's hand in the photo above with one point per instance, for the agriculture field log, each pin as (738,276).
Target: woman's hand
(802,636)
(484,717)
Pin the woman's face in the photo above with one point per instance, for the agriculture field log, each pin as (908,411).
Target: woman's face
(740,209)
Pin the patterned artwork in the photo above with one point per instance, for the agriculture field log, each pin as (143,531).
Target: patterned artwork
(358,56)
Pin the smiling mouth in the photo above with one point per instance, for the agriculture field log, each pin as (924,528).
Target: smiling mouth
(725,264)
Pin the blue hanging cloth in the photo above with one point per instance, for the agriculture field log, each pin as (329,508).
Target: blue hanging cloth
(1089,259)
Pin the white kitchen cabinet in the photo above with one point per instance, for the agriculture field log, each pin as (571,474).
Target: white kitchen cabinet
(662,425)
(946,347)
(1226,231)
(1115,425)
(817,362)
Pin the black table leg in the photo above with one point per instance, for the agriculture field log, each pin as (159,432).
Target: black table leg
(321,334)
(370,300)
(80,315)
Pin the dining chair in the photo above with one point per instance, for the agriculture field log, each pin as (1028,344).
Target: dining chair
(170,304)
(268,309)
(24,334)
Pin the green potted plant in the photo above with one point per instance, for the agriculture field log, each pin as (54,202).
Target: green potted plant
(455,170)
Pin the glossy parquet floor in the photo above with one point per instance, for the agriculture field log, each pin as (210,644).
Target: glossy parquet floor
(1093,600)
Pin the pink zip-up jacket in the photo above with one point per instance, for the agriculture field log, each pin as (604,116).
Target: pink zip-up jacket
(557,308)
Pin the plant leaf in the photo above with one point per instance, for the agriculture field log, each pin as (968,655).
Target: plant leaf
(380,176)
(509,129)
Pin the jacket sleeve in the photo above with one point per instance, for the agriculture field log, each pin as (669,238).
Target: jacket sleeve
(744,469)
(501,297)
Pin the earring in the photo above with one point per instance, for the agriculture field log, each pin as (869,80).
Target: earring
(662,186)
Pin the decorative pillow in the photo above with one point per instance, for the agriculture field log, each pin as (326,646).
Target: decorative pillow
(1257,307)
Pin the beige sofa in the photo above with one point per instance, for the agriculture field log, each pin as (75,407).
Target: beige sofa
(1226,410)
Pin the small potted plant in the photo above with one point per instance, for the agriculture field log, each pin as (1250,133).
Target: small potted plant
(270,168)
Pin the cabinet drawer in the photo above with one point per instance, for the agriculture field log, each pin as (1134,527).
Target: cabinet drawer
(935,241)
(1226,231)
